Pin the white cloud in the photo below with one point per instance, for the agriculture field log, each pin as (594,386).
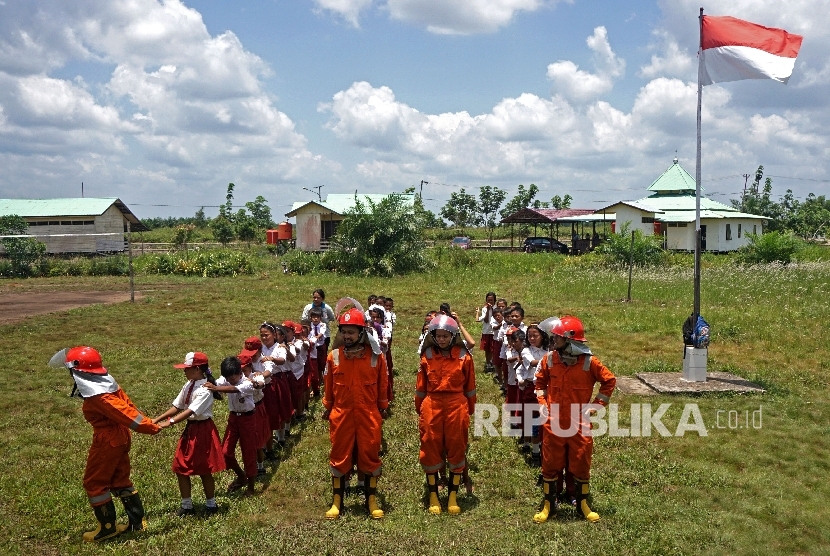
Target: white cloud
(349,10)
(580,85)
(674,62)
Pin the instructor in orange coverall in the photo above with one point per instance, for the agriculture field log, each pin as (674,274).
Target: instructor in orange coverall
(113,416)
(445,397)
(564,380)
(356,402)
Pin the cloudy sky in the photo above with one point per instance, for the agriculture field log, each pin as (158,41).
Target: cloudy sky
(162,103)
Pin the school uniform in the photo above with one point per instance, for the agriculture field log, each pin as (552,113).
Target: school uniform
(527,374)
(242,426)
(199,451)
(319,351)
(281,383)
(271,398)
(485,318)
(296,376)
(262,418)
(497,347)
(510,376)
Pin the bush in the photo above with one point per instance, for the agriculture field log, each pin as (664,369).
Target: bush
(302,262)
(770,247)
(647,250)
(204,263)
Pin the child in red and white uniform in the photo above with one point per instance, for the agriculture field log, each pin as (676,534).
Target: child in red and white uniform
(515,339)
(484,315)
(242,424)
(273,365)
(263,423)
(392,320)
(499,326)
(199,451)
(536,348)
(317,336)
(295,342)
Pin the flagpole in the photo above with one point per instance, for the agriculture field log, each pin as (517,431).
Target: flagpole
(696,312)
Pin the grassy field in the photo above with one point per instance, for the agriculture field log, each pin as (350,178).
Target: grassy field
(735,491)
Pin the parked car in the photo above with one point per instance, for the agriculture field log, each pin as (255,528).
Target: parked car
(534,244)
(462,242)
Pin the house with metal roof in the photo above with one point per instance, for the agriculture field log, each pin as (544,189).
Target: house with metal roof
(76,225)
(316,221)
(670,212)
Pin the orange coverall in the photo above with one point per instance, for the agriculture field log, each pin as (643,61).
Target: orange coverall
(355,394)
(445,397)
(567,385)
(112,416)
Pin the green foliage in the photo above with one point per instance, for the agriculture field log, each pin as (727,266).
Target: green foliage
(222,229)
(302,262)
(461,209)
(647,250)
(245,226)
(489,201)
(561,202)
(523,199)
(260,213)
(382,239)
(199,219)
(770,247)
(212,263)
(24,253)
(226,210)
(183,235)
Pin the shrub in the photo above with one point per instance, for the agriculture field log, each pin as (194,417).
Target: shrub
(203,263)
(770,247)
(302,262)
(647,249)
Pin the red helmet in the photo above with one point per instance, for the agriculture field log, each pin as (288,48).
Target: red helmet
(352,317)
(86,360)
(569,328)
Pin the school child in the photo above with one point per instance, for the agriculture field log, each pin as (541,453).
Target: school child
(513,358)
(391,321)
(484,315)
(281,381)
(499,328)
(310,362)
(266,353)
(263,422)
(501,303)
(242,425)
(295,342)
(536,348)
(317,335)
(515,316)
(198,451)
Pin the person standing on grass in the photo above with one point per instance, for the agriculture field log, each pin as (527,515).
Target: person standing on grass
(355,405)
(566,379)
(242,424)
(499,328)
(318,331)
(199,451)
(113,416)
(263,422)
(445,397)
(484,315)
(318,300)
(536,347)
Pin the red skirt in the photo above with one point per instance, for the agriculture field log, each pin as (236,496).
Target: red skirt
(199,451)
(282,388)
(263,423)
(298,387)
(271,405)
(486,343)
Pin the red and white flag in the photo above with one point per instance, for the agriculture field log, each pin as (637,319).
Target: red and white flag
(733,49)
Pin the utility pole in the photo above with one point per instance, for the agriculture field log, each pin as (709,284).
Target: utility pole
(421,194)
(318,188)
(743,197)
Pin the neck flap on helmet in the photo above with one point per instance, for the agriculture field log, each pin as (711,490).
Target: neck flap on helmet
(366,335)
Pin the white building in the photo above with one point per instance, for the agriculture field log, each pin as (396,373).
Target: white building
(85,225)
(670,212)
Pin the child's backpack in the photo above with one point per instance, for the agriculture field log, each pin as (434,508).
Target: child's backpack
(696,333)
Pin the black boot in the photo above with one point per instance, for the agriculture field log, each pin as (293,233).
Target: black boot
(107,527)
(134,508)
(548,502)
(338,490)
(582,507)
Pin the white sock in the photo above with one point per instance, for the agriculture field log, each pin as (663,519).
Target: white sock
(187,503)
(536,448)
(210,502)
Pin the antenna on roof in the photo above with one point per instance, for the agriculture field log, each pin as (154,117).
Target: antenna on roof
(82,190)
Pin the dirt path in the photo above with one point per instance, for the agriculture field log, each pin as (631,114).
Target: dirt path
(15,307)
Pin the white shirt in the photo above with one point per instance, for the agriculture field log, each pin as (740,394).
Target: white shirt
(485,319)
(201,400)
(511,365)
(328,315)
(528,372)
(298,366)
(241,401)
(318,334)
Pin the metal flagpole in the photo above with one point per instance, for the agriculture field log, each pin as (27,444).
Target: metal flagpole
(696,312)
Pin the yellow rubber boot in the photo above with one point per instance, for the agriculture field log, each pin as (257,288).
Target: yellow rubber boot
(548,503)
(371,499)
(107,527)
(452,501)
(337,498)
(582,507)
(434,503)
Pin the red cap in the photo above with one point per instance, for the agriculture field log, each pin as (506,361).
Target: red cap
(298,328)
(252,346)
(193,359)
(244,358)
(288,325)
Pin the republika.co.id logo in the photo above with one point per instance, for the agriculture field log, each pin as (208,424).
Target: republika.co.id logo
(598,420)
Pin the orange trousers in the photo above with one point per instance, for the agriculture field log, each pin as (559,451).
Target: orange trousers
(444,426)
(107,468)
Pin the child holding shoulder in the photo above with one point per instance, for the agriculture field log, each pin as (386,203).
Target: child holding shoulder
(198,451)
(484,315)
(242,426)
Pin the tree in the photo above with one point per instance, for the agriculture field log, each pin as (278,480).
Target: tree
(199,219)
(523,199)
(22,252)
(461,209)
(561,202)
(226,210)
(261,213)
(222,230)
(245,226)
(489,201)
(427,217)
(382,239)
(183,235)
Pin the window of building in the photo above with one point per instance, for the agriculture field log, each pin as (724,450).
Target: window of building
(755,228)
(728,232)
(739,231)
(648,220)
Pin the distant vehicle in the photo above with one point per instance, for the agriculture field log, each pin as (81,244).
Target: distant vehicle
(534,244)
(462,242)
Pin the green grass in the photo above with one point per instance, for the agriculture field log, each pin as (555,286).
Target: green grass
(741,491)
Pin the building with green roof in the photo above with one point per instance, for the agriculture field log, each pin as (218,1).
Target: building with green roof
(670,212)
(76,225)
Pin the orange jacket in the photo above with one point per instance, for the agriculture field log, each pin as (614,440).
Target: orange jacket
(443,375)
(114,415)
(354,382)
(566,385)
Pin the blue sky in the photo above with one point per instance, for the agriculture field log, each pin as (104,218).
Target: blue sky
(164,103)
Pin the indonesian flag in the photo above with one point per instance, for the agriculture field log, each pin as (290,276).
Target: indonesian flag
(733,49)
